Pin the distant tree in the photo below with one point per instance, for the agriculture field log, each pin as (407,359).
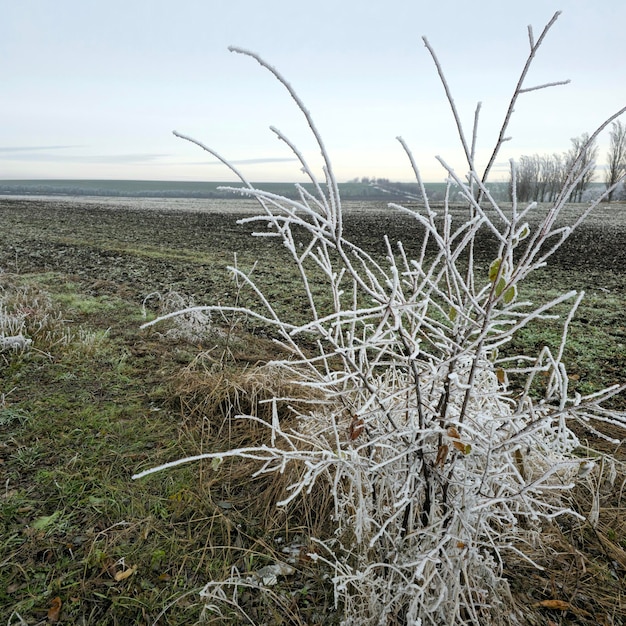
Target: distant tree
(616,157)
(539,177)
(580,161)
(527,178)
(555,175)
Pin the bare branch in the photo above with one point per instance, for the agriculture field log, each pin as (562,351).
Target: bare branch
(455,113)
(545,86)
(516,93)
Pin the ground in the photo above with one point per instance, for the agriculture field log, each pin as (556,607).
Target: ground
(97,399)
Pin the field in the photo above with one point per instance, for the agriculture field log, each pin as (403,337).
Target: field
(96,399)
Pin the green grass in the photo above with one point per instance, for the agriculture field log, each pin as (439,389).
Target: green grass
(76,425)
(595,352)
(82,416)
(94,401)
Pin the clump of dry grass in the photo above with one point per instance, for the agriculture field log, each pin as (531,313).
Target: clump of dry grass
(584,562)
(214,401)
(28,314)
(245,529)
(193,327)
(223,393)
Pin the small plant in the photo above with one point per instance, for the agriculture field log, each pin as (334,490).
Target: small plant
(198,326)
(440,458)
(12,329)
(29,319)
(192,326)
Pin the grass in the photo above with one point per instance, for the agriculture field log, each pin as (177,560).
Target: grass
(77,422)
(82,416)
(96,400)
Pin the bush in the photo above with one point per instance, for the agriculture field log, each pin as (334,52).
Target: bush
(441,457)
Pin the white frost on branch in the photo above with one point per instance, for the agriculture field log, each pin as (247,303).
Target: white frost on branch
(438,467)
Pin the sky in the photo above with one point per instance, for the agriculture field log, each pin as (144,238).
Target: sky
(93,90)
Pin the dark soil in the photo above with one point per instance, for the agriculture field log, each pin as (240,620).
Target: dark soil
(147,249)
(116,253)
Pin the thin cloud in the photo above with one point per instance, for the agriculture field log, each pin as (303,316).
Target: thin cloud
(248,161)
(91,158)
(11,149)
(121,158)
(34,153)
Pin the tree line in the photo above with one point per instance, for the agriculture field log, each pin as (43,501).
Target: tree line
(539,178)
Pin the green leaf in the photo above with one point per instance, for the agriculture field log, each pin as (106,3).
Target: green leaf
(216,462)
(41,523)
(523,232)
(500,286)
(509,294)
(494,268)
(452,314)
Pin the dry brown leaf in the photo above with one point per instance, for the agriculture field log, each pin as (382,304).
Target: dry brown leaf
(442,455)
(356,427)
(119,576)
(557,605)
(465,448)
(501,375)
(453,433)
(561,605)
(54,612)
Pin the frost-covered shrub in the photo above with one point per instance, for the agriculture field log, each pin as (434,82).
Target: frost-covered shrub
(28,319)
(437,466)
(12,328)
(192,326)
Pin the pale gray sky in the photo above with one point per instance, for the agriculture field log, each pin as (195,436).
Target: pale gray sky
(93,89)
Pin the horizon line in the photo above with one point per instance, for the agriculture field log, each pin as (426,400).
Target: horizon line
(219,182)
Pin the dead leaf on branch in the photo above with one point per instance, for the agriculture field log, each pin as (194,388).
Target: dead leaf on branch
(356,427)
(453,433)
(442,455)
